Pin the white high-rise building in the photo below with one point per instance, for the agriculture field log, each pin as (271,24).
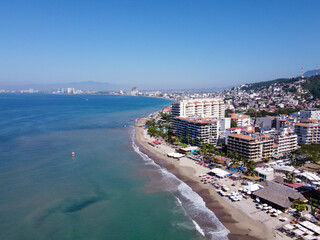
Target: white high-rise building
(199,107)
(71,90)
(310,114)
(197,130)
(286,141)
(307,133)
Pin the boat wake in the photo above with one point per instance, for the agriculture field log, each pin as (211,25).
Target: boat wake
(205,221)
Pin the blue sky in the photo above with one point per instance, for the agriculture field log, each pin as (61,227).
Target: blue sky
(157,44)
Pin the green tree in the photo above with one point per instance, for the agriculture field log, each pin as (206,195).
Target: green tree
(233,123)
(300,206)
(227,112)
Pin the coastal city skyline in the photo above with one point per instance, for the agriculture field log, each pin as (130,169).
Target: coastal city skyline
(157,45)
(183,120)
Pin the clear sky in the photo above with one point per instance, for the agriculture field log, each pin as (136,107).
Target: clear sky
(157,44)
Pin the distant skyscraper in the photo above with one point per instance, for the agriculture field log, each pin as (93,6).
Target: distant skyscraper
(70,90)
(134,91)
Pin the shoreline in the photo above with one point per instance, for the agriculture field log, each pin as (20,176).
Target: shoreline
(239,223)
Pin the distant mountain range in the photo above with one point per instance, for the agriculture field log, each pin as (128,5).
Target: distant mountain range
(85,86)
(310,73)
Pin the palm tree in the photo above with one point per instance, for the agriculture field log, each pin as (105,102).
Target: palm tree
(250,166)
(291,177)
(234,163)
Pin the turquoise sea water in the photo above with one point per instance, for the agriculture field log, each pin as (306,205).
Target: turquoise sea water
(107,191)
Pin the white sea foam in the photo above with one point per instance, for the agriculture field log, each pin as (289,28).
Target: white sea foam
(209,225)
(199,229)
(179,201)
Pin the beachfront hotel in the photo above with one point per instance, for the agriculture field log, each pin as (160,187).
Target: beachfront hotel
(197,130)
(307,133)
(252,147)
(199,107)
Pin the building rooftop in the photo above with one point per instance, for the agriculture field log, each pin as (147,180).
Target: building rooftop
(238,116)
(278,194)
(203,120)
(249,137)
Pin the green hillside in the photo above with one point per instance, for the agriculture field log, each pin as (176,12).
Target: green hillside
(256,86)
(313,85)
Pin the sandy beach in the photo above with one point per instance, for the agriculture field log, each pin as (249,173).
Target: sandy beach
(242,219)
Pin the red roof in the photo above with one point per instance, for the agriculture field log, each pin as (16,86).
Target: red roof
(234,128)
(220,160)
(293,185)
(303,125)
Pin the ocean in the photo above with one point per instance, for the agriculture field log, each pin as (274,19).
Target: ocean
(109,190)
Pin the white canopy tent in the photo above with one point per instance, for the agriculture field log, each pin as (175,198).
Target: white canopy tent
(175,155)
(219,172)
(310,226)
(252,187)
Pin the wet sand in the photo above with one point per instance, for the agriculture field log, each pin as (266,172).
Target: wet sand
(240,225)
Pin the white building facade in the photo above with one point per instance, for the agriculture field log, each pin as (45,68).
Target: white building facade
(197,130)
(310,114)
(199,107)
(307,133)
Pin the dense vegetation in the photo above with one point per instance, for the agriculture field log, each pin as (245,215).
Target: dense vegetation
(233,123)
(280,111)
(256,86)
(227,112)
(313,85)
(162,129)
(308,153)
(166,117)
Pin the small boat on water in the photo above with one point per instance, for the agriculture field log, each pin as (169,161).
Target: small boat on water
(73,154)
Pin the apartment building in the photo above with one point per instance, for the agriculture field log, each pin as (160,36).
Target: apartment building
(310,114)
(199,107)
(252,147)
(197,130)
(242,120)
(286,141)
(307,133)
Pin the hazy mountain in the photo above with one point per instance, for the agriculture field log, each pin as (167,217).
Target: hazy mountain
(310,73)
(85,86)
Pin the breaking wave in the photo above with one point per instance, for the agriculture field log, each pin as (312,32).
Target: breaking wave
(205,221)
